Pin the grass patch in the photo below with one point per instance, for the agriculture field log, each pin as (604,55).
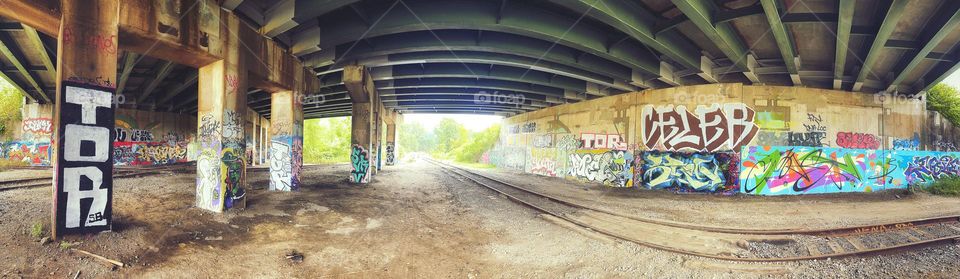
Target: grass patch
(6,164)
(36,231)
(949,186)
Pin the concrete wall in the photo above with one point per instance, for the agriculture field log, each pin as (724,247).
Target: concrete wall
(700,138)
(141,137)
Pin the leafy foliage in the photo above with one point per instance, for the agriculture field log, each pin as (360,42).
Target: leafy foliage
(413,137)
(478,143)
(949,186)
(450,135)
(326,140)
(10,102)
(946,100)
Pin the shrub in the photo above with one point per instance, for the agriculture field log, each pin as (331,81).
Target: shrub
(949,186)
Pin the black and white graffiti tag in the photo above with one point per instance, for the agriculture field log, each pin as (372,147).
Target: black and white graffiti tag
(84,183)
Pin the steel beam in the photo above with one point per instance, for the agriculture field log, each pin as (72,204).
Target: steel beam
(522,19)
(13,55)
(844,27)
(774,10)
(887,26)
(941,25)
(158,75)
(701,13)
(637,21)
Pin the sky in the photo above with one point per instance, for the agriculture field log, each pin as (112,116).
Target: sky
(474,123)
(953,80)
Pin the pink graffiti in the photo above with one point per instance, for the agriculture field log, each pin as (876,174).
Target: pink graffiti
(857,140)
(708,128)
(38,125)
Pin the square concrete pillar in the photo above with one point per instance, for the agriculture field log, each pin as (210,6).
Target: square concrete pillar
(221,165)
(84,117)
(286,143)
(361,143)
(390,147)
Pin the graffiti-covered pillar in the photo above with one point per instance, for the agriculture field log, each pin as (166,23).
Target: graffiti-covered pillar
(286,142)
(390,148)
(360,87)
(83,117)
(221,108)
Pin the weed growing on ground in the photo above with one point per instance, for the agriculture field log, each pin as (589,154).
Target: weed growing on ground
(949,186)
(36,231)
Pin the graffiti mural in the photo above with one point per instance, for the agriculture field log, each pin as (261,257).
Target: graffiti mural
(857,140)
(708,128)
(927,169)
(148,153)
(684,171)
(601,141)
(280,166)
(907,144)
(84,184)
(770,120)
(390,154)
(812,139)
(509,157)
(209,193)
(360,160)
(529,128)
(38,126)
(795,170)
(32,153)
(233,169)
(543,141)
(610,167)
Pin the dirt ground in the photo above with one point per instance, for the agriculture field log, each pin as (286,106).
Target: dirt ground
(412,221)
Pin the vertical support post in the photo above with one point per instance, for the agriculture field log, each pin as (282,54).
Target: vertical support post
(377,133)
(360,87)
(286,143)
(391,138)
(221,169)
(83,113)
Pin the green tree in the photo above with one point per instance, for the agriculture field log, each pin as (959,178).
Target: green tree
(478,143)
(326,140)
(11,100)
(946,100)
(413,137)
(450,134)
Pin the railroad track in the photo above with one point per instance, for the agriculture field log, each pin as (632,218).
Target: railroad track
(751,245)
(119,172)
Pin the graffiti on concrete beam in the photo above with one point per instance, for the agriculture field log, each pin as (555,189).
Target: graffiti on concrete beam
(360,161)
(609,167)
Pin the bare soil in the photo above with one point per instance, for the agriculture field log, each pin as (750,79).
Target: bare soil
(412,221)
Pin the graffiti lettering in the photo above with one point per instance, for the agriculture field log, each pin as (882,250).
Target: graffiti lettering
(543,141)
(907,144)
(857,140)
(390,154)
(925,169)
(611,167)
(601,141)
(699,172)
(674,128)
(360,160)
(38,126)
(84,186)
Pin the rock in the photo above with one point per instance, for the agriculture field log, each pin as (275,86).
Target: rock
(44,241)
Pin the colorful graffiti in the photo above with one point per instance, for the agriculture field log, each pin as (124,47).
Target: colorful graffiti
(209,193)
(927,169)
(769,120)
(685,171)
(41,126)
(148,153)
(33,153)
(233,169)
(857,140)
(610,167)
(796,170)
(281,166)
(709,128)
(360,160)
(907,144)
(509,157)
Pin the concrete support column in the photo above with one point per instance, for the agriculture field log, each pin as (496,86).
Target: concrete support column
(377,134)
(391,138)
(84,112)
(362,93)
(286,143)
(221,169)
